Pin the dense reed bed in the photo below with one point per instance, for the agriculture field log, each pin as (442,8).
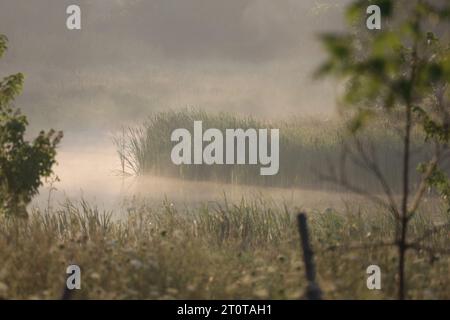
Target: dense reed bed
(309,147)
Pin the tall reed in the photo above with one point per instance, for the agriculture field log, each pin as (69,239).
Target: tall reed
(308,147)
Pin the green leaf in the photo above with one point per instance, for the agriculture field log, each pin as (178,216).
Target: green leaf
(3,44)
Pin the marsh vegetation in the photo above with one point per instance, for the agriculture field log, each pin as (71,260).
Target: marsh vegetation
(227,250)
(308,147)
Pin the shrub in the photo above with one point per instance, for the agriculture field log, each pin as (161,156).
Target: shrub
(22,163)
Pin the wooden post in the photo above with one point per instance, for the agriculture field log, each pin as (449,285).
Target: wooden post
(66,294)
(313,291)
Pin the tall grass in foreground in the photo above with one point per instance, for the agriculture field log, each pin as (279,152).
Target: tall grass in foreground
(308,147)
(248,249)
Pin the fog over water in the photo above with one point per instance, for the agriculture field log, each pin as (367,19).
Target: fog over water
(135,57)
(90,171)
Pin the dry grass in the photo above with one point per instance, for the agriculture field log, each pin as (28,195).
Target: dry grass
(232,250)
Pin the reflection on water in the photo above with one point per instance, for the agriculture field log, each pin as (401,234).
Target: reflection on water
(91,172)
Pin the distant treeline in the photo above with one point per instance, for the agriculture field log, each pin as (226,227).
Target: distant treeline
(310,148)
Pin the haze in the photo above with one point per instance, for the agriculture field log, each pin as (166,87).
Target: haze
(135,57)
(132,58)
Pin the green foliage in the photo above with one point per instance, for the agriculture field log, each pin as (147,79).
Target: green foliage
(438,179)
(378,65)
(22,163)
(433,129)
(403,66)
(357,9)
(3,44)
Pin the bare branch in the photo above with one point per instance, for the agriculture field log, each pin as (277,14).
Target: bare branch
(357,190)
(422,186)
